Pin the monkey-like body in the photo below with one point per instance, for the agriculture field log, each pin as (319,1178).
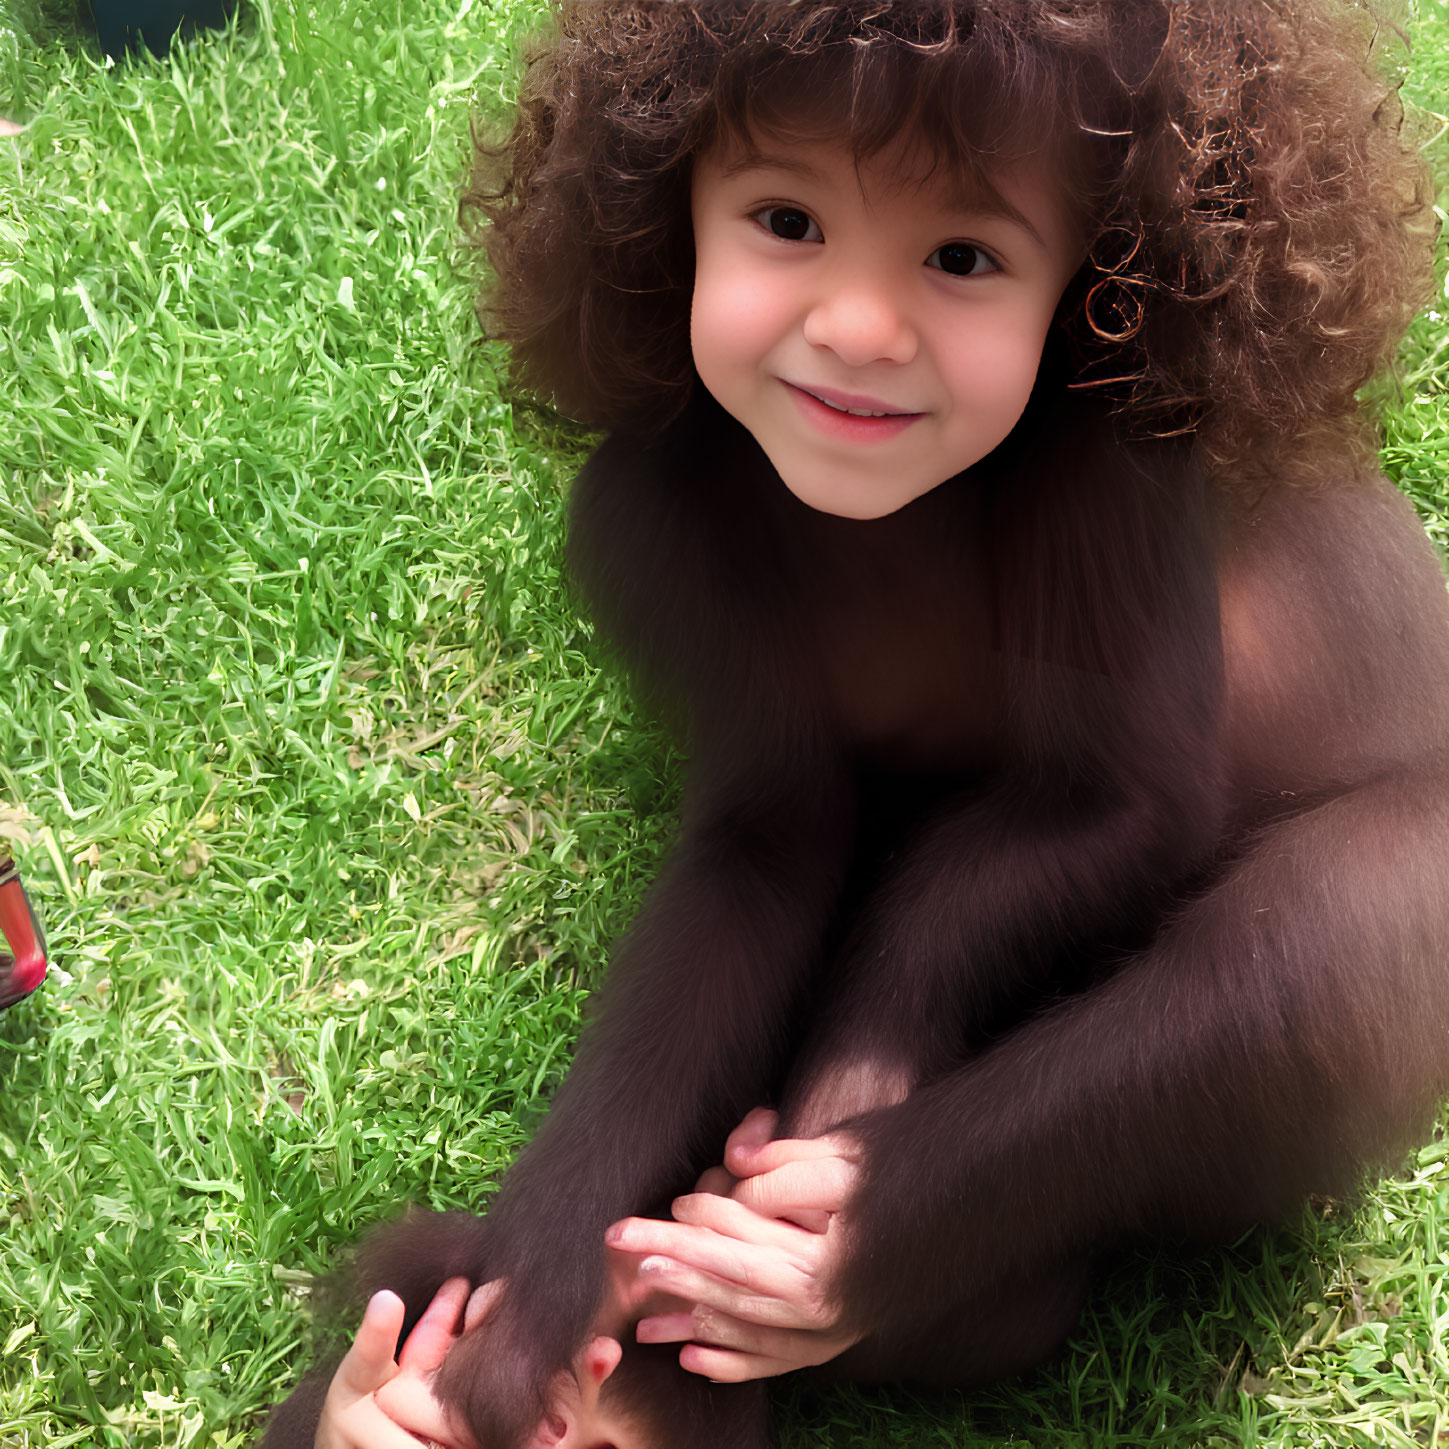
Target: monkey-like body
(1155,931)
(1071,838)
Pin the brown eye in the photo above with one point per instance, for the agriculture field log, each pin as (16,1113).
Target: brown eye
(788,223)
(961,259)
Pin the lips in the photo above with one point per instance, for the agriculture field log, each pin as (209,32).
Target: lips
(851,416)
(854,402)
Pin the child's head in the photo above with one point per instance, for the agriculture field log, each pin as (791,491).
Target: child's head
(875,321)
(1248,228)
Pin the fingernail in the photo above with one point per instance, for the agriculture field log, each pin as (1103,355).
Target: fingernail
(647,1331)
(655,1265)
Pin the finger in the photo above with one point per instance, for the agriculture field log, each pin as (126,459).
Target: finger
(812,1220)
(408,1401)
(369,1362)
(776,1353)
(753,1261)
(364,1425)
(767,1156)
(780,1298)
(480,1305)
(723,1330)
(737,1219)
(433,1334)
(718,1180)
(696,1215)
(820,1185)
(665,1328)
(723,1366)
(752,1134)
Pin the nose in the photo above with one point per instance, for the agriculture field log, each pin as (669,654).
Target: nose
(861,321)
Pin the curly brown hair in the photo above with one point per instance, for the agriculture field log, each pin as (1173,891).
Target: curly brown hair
(1260,219)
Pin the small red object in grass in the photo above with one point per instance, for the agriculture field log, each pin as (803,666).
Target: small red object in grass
(23,969)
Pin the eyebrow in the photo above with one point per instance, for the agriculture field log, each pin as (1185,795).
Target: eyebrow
(985,200)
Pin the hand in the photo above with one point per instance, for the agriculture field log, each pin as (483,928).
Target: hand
(376,1403)
(407,1398)
(756,1266)
(351,1418)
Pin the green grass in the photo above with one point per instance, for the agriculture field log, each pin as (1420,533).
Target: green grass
(326,806)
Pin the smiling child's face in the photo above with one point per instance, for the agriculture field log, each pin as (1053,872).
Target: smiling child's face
(876,330)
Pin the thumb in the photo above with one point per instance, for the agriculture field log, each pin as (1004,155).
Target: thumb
(754,1133)
(369,1363)
(432,1336)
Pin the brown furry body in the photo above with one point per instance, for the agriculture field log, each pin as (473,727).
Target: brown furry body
(1102,794)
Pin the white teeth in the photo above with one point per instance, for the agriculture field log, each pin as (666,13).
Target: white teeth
(854,412)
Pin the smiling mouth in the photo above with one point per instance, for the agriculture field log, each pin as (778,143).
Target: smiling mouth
(849,418)
(850,407)
(851,412)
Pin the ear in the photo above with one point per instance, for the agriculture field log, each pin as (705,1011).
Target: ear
(599,1359)
(572,1419)
(555,1431)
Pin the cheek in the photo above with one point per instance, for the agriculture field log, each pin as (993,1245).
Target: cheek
(734,322)
(990,366)
(716,342)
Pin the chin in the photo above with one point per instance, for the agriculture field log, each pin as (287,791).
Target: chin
(845,503)
(827,493)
